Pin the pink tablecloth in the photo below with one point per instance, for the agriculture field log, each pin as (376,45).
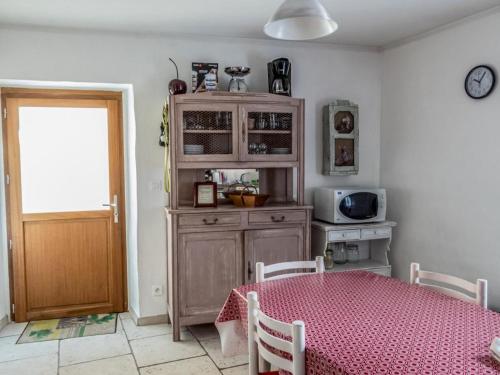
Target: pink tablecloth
(362,323)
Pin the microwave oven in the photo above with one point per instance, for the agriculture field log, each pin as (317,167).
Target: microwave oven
(348,206)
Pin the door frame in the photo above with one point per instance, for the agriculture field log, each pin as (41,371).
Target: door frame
(76,94)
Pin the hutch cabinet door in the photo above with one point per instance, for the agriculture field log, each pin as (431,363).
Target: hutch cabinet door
(272,246)
(268,133)
(207,132)
(209,267)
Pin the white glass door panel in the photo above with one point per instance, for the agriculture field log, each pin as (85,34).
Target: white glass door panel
(64,159)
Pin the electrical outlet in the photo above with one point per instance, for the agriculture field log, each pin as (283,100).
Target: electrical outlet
(157,290)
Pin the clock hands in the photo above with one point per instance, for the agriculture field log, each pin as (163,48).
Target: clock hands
(480,80)
(482,77)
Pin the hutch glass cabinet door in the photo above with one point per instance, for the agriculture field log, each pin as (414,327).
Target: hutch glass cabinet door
(268,133)
(207,132)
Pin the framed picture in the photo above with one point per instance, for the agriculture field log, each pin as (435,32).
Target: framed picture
(204,76)
(205,194)
(344,152)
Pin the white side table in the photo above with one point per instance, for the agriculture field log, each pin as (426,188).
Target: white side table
(373,241)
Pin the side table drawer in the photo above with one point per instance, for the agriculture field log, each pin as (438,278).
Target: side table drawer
(209,219)
(270,217)
(382,232)
(344,235)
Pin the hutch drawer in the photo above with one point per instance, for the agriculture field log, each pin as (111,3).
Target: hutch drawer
(344,235)
(285,216)
(209,219)
(384,232)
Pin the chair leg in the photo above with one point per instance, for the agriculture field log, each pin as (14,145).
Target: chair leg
(414,268)
(264,366)
(253,352)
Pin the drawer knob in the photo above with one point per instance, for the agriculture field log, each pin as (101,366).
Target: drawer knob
(277,219)
(214,221)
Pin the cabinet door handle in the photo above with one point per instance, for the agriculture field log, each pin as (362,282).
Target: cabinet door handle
(249,271)
(214,221)
(277,219)
(243,130)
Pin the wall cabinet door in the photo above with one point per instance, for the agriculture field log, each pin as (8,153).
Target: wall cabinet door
(268,133)
(209,267)
(272,246)
(207,132)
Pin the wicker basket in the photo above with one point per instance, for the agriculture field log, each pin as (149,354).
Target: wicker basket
(247,199)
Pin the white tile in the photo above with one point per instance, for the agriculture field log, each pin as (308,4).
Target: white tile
(139,332)
(91,348)
(9,351)
(119,327)
(212,346)
(125,315)
(240,370)
(193,366)
(13,329)
(159,349)
(204,331)
(44,365)
(124,365)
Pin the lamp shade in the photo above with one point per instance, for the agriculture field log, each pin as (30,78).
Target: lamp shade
(300,20)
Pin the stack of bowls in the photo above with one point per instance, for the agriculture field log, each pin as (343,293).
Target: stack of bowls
(280,150)
(193,149)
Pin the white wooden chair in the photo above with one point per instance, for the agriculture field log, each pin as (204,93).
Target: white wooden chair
(479,289)
(257,336)
(262,270)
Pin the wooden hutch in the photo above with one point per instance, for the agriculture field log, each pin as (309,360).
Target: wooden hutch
(212,250)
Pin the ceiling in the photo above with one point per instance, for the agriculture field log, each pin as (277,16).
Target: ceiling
(373,23)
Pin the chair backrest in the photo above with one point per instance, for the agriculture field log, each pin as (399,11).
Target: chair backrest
(262,270)
(260,341)
(479,290)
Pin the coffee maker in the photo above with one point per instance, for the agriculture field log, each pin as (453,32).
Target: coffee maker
(279,74)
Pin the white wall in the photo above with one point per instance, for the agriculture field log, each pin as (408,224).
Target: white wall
(440,154)
(321,73)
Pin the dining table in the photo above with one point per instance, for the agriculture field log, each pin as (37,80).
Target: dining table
(358,322)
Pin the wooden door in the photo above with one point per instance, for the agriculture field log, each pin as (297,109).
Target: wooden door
(63,152)
(209,267)
(269,132)
(207,132)
(272,246)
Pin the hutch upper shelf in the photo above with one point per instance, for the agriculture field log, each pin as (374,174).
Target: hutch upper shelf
(249,128)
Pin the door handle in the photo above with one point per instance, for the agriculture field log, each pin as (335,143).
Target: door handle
(116,210)
(249,271)
(277,220)
(213,222)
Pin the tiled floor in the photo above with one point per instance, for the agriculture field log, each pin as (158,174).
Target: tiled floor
(132,350)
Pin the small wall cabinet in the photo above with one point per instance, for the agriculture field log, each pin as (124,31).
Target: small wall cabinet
(340,138)
(212,250)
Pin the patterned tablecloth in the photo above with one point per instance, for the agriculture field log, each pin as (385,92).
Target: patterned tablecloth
(362,323)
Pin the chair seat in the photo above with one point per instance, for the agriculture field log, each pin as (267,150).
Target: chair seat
(269,373)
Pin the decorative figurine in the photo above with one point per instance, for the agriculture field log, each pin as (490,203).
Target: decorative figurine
(176,86)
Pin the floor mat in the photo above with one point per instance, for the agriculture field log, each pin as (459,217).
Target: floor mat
(65,328)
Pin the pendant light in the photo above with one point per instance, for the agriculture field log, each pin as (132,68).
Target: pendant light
(300,20)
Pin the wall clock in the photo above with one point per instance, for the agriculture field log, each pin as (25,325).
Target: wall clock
(480,82)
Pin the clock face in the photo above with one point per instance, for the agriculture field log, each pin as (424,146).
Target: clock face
(480,82)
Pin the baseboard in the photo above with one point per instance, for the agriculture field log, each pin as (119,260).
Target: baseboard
(147,320)
(4,321)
